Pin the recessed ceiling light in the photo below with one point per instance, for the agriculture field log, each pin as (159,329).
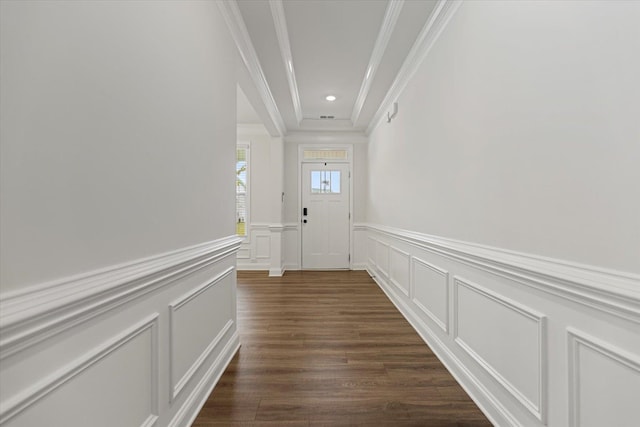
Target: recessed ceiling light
(330,98)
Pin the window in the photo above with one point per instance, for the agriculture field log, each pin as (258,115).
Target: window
(327,182)
(242,189)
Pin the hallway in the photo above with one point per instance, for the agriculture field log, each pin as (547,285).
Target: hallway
(329,348)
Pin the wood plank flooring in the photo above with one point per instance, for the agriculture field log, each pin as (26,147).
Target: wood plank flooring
(329,349)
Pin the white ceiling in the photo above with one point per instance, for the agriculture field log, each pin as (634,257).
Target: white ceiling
(295,53)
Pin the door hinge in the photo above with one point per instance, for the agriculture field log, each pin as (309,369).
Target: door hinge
(349,257)
(349,215)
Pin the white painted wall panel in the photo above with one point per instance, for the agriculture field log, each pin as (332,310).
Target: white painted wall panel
(504,338)
(431,292)
(595,365)
(112,385)
(196,330)
(399,270)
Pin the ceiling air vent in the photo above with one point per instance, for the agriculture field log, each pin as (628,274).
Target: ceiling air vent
(328,117)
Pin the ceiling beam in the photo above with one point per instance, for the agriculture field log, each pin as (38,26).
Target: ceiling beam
(238,29)
(280,23)
(439,18)
(386,30)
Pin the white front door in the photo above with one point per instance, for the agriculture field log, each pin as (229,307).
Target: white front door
(325,215)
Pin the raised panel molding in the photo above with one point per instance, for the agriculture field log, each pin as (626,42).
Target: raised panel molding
(437,297)
(399,269)
(40,312)
(66,375)
(537,405)
(621,399)
(178,385)
(200,393)
(371,251)
(382,257)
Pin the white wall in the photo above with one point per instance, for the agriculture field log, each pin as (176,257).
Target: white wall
(116,222)
(503,216)
(108,136)
(520,130)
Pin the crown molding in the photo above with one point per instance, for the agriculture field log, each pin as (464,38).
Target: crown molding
(238,30)
(429,34)
(386,30)
(280,24)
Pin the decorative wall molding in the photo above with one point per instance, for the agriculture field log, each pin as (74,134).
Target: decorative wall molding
(538,409)
(27,398)
(395,254)
(238,29)
(177,386)
(280,24)
(508,298)
(386,30)
(197,398)
(577,340)
(40,312)
(613,292)
(382,258)
(439,18)
(442,323)
(490,405)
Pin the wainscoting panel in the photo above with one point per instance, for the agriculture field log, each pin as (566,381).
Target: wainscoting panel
(399,269)
(132,355)
(505,338)
(499,319)
(382,258)
(192,346)
(604,383)
(122,346)
(430,292)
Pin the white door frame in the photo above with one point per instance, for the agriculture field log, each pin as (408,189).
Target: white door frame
(349,149)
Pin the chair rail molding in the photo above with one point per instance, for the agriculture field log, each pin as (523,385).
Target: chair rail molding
(32,315)
(614,292)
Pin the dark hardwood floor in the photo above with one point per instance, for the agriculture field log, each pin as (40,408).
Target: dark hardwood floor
(329,349)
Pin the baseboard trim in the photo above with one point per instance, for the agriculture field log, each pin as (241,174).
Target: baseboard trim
(488,404)
(190,409)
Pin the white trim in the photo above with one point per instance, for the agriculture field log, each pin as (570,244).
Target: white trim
(388,25)
(537,409)
(240,34)
(576,338)
(196,400)
(442,324)
(32,315)
(488,403)
(27,398)
(392,279)
(280,24)
(613,292)
(439,18)
(177,386)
